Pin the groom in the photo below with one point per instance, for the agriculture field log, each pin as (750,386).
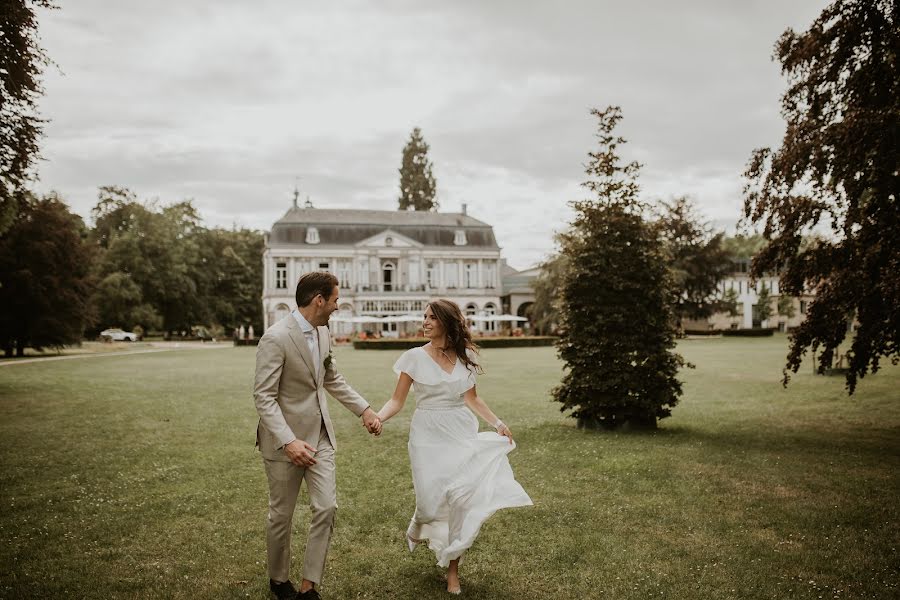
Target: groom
(294,368)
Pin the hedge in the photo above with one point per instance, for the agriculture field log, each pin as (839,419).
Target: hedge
(494,342)
(702,332)
(760,332)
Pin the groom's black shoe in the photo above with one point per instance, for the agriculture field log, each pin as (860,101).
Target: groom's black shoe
(284,590)
(309,595)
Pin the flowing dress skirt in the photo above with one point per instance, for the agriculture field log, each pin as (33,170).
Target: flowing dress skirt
(461,477)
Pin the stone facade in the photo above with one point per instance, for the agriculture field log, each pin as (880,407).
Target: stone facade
(388,262)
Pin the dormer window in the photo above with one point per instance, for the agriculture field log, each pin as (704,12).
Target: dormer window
(459,239)
(312,235)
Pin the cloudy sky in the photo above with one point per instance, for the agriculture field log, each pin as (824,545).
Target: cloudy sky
(228,103)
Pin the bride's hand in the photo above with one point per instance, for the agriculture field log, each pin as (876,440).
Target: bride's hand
(504,431)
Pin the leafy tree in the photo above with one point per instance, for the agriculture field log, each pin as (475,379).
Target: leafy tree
(157,248)
(21,62)
(417,184)
(730,301)
(158,267)
(763,303)
(231,276)
(729,304)
(838,166)
(786,306)
(45,281)
(118,301)
(616,325)
(544,310)
(698,259)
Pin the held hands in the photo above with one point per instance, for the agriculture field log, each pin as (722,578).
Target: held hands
(371,422)
(300,453)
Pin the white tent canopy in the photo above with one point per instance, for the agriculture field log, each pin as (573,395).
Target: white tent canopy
(494,318)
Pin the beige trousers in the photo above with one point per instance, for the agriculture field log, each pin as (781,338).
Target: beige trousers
(284,489)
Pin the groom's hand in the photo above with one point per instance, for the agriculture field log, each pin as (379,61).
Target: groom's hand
(300,453)
(371,421)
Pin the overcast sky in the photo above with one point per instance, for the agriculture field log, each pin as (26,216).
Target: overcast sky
(228,103)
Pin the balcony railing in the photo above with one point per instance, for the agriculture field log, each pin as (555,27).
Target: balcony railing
(389,288)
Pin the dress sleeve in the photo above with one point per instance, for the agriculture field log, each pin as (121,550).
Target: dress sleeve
(406,364)
(415,363)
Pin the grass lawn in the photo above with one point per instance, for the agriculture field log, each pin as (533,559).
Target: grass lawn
(136,477)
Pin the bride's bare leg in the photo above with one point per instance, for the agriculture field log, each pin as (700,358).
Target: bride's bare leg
(453,577)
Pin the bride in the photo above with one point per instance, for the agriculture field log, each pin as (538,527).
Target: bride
(461,477)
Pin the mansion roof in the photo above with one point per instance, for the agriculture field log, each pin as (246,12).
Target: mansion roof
(346,227)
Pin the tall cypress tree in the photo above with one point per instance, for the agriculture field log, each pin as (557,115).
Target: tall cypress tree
(417,183)
(617,326)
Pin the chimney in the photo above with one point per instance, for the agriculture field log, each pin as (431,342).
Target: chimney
(464,208)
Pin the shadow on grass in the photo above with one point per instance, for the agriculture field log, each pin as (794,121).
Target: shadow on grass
(866,441)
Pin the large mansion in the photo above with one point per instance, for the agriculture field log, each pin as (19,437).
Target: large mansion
(389,263)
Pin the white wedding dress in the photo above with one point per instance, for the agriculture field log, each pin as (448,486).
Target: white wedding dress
(461,476)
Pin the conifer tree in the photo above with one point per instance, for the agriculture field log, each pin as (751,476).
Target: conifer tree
(616,319)
(417,184)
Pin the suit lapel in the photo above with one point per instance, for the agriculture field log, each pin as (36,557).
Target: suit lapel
(324,348)
(296,335)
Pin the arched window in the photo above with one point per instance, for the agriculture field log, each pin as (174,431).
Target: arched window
(312,235)
(387,270)
(459,238)
(489,311)
(281,311)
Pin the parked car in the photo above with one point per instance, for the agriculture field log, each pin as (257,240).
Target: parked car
(118,335)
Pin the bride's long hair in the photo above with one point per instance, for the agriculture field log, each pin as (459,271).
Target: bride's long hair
(457,333)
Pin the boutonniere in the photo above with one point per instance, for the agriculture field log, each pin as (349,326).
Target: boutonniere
(329,360)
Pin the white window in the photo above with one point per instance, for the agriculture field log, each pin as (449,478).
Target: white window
(363,273)
(490,274)
(470,275)
(312,235)
(281,276)
(431,275)
(344,274)
(451,274)
(459,238)
(323,266)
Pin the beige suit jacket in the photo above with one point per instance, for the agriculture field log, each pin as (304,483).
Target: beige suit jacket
(289,398)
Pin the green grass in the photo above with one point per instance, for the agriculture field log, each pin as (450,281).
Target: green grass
(136,477)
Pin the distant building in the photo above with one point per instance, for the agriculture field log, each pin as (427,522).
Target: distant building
(388,262)
(748,303)
(518,293)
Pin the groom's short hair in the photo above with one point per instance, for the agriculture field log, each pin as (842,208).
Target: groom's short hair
(313,284)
